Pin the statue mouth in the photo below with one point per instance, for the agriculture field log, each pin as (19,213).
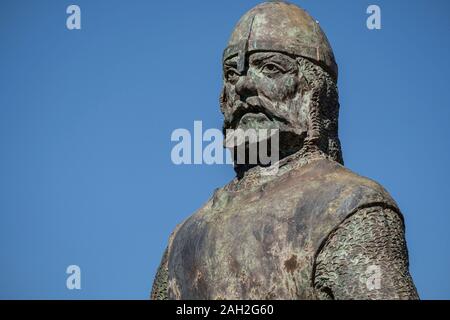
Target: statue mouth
(250,116)
(253,109)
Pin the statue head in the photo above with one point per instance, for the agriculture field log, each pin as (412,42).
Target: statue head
(280,73)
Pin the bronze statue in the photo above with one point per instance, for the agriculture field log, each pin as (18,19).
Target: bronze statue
(314,230)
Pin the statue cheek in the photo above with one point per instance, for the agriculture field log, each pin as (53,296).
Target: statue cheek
(289,87)
(228,95)
(227,99)
(281,89)
(223,99)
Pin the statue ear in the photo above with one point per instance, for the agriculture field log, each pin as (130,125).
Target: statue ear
(308,102)
(304,82)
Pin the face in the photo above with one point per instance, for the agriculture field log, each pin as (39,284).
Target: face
(267,95)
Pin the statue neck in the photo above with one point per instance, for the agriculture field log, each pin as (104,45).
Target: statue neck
(256,176)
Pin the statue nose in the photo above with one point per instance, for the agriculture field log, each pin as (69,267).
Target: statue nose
(245,87)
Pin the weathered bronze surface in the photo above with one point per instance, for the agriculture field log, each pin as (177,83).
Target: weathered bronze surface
(314,230)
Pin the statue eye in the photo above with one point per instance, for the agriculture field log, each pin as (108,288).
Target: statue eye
(231,75)
(272,69)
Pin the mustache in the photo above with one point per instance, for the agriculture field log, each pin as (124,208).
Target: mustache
(255,105)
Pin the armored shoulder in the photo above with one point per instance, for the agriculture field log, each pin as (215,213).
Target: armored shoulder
(339,191)
(328,193)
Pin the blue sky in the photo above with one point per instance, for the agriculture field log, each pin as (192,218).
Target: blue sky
(86,118)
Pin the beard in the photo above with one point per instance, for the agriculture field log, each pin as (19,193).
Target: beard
(262,118)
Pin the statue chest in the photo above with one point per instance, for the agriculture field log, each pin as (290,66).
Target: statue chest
(257,246)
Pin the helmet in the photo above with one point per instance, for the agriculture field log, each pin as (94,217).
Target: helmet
(282,27)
